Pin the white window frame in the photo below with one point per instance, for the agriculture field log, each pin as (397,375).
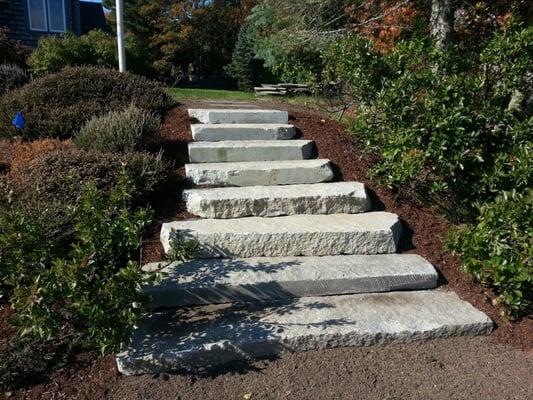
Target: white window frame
(46,8)
(48,18)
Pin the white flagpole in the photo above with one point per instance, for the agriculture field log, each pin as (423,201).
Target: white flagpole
(120,36)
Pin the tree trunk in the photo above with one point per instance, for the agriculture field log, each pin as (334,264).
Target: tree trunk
(441,22)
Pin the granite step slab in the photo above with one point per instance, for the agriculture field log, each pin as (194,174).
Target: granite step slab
(211,281)
(242,132)
(239,116)
(265,173)
(294,235)
(273,201)
(250,150)
(206,336)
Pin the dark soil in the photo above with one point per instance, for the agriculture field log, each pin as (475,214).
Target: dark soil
(497,367)
(463,368)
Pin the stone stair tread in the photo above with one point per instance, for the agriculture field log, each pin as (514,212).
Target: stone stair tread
(294,235)
(249,150)
(212,281)
(253,173)
(271,201)
(242,132)
(234,116)
(217,334)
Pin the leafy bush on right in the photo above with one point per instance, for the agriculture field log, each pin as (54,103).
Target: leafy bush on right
(498,250)
(443,126)
(57,105)
(119,131)
(11,77)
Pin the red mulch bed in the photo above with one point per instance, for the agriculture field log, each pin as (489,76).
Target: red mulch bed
(423,234)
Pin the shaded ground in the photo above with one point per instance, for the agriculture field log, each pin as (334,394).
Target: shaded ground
(497,367)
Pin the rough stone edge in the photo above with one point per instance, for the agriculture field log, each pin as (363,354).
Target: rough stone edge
(226,352)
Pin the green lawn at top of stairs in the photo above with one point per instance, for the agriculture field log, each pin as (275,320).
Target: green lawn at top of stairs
(310,102)
(210,94)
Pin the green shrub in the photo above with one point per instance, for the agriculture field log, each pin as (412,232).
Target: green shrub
(95,48)
(119,131)
(498,250)
(55,52)
(32,235)
(183,249)
(37,202)
(441,127)
(356,67)
(91,296)
(57,105)
(11,77)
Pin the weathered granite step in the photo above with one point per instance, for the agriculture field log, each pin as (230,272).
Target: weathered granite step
(239,116)
(294,235)
(252,150)
(218,132)
(272,201)
(211,280)
(212,335)
(252,173)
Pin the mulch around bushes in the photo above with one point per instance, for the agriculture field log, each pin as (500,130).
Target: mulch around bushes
(497,367)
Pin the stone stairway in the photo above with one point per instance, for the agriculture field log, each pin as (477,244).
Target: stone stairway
(289,261)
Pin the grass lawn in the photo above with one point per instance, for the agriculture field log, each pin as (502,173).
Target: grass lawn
(210,94)
(310,102)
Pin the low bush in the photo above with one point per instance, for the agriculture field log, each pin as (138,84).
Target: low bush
(119,131)
(58,176)
(497,250)
(183,249)
(32,235)
(86,293)
(356,68)
(58,105)
(26,152)
(11,77)
(92,295)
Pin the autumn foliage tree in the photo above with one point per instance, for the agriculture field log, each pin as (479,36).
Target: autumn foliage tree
(191,36)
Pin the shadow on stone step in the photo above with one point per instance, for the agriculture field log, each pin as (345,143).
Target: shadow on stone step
(406,239)
(337,173)
(235,337)
(375,203)
(441,280)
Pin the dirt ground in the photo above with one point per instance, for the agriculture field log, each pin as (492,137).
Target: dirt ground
(464,368)
(496,367)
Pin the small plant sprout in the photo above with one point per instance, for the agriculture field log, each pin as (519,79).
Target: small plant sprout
(182,249)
